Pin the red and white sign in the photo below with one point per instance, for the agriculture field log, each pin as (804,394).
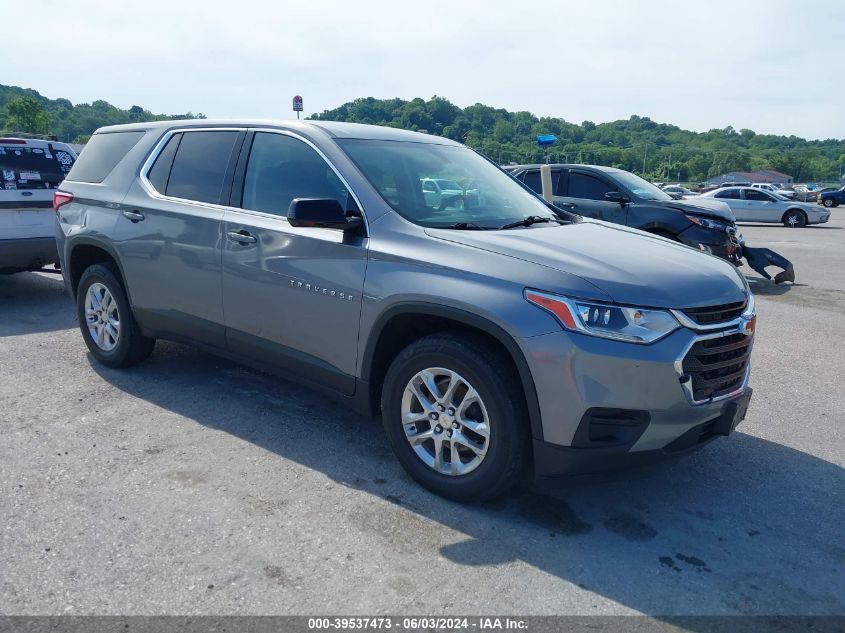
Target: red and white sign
(297,104)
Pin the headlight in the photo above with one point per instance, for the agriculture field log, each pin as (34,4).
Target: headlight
(621,323)
(707,223)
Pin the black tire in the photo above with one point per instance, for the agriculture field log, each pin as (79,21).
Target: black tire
(506,464)
(131,346)
(794,218)
(829,202)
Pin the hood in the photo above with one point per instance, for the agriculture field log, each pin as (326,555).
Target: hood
(630,266)
(699,206)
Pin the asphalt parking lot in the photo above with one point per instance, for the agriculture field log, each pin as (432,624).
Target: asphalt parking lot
(189,485)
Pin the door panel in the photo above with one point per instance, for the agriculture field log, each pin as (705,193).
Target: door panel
(171,260)
(292,297)
(759,206)
(586,192)
(170,247)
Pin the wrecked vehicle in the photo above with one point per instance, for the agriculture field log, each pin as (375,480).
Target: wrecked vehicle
(618,196)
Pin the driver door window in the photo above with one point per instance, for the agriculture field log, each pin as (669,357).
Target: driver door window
(282,168)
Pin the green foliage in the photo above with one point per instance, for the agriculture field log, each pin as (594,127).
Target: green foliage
(27,115)
(25,110)
(656,150)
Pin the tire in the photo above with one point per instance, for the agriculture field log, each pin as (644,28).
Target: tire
(121,343)
(829,202)
(794,218)
(475,364)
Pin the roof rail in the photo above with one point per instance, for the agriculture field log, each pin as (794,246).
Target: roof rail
(28,135)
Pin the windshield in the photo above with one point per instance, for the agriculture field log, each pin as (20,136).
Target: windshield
(640,188)
(449,184)
(399,169)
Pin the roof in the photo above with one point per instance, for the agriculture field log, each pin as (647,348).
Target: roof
(331,128)
(763,175)
(609,170)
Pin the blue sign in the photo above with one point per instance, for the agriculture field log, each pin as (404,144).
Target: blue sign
(544,140)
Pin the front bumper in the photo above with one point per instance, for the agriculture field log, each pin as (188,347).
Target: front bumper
(724,244)
(637,390)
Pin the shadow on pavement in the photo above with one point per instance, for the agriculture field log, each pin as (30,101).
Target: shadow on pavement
(746,526)
(33,302)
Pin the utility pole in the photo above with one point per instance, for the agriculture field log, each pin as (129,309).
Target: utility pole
(645,154)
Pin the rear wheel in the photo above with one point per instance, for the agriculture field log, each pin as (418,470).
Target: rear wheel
(794,218)
(454,414)
(829,202)
(106,320)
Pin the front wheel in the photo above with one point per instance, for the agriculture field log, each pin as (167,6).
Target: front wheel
(828,202)
(794,218)
(106,320)
(454,414)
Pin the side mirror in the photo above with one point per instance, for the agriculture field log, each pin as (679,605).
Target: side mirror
(321,213)
(617,197)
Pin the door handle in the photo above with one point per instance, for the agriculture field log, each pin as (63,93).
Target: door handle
(135,216)
(241,237)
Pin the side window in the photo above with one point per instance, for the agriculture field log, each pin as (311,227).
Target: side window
(159,174)
(281,168)
(199,166)
(429,186)
(102,154)
(730,194)
(757,195)
(532,180)
(588,187)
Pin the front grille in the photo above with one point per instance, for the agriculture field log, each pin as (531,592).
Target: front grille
(717,366)
(715,314)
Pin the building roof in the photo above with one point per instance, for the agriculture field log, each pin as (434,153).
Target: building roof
(763,175)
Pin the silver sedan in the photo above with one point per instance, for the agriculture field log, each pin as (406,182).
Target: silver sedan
(755,205)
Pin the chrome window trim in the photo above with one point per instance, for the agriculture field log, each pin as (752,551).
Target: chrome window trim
(159,146)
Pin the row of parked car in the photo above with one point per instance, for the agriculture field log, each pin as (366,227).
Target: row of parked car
(496,334)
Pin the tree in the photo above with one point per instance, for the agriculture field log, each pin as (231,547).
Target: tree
(26,114)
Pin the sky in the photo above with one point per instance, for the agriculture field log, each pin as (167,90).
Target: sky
(773,66)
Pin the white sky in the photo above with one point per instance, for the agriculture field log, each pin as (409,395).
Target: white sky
(773,66)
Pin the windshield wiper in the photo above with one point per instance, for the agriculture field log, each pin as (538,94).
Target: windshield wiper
(531,219)
(467,226)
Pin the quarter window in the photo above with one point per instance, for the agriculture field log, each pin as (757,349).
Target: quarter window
(282,168)
(588,187)
(199,167)
(101,154)
(160,172)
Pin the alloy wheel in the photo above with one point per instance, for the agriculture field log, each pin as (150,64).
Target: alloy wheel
(445,421)
(102,317)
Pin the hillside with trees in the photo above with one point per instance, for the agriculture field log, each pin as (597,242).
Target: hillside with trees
(656,150)
(25,110)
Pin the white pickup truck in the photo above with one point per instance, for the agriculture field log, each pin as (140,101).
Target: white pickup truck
(30,171)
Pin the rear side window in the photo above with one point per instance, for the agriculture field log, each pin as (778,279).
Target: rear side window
(532,180)
(24,167)
(199,167)
(102,153)
(588,187)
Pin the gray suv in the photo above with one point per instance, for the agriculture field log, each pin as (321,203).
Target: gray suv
(497,336)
